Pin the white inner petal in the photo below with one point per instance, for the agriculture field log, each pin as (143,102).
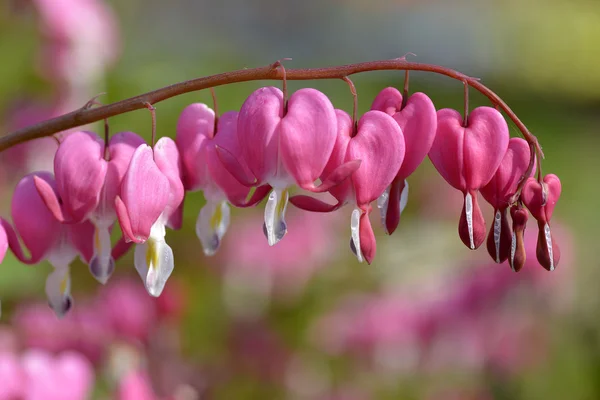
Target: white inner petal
(154,260)
(404,197)
(62,253)
(469,215)
(382,205)
(102,264)
(275,226)
(497,233)
(211,225)
(513,250)
(548,237)
(58,290)
(355,232)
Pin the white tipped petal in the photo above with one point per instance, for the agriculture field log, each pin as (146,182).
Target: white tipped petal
(469,215)
(58,291)
(154,262)
(102,265)
(497,233)
(548,238)
(382,205)
(355,232)
(404,197)
(212,224)
(275,227)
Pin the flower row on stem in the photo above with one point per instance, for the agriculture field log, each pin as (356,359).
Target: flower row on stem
(271,145)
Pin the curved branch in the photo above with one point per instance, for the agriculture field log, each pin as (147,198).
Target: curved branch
(88,115)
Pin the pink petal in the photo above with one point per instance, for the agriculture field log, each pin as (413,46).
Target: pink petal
(311,204)
(467,158)
(500,237)
(259,194)
(504,183)
(195,129)
(50,198)
(11,376)
(120,248)
(392,216)
(258,132)
(37,227)
(121,147)
(168,162)
(307,135)
(236,167)
(144,195)
(335,178)
(80,171)
(227,139)
(418,121)
(338,156)
(518,254)
(380,146)
(82,237)
(368,245)
(3,242)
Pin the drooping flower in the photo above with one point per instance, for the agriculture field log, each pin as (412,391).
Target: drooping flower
(283,144)
(418,121)
(378,142)
(151,198)
(197,140)
(499,191)
(540,199)
(88,178)
(47,239)
(467,155)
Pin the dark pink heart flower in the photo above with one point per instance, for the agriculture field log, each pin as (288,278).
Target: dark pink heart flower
(541,199)
(88,178)
(518,255)
(201,149)
(379,145)
(46,238)
(467,157)
(150,199)
(418,122)
(499,191)
(286,144)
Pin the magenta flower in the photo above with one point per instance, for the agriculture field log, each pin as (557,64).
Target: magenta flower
(498,193)
(151,198)
(467,156)
(283,144)
(198,139)
(136,385)
(46,238)
(541,199)
(378,142)
(418,122)
(11,376)
(88,179)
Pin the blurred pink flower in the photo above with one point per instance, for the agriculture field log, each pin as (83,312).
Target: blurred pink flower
(81,40)
(286,268)
(136,385)
(37,375)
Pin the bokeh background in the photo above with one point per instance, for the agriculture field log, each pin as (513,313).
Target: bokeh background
(428,319)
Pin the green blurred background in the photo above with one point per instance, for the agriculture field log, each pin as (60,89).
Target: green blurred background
(541,57)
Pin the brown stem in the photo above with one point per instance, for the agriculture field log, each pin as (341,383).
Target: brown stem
(405,91)
(354,104)
(106,138)
(86,116)
(466,114)
(215,109)
(153,113)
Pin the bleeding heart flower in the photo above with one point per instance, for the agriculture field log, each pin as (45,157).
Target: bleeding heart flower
(151,197)
(198,142)
(540,199)
(467,156)
(283,144)
(499,191)
(378,144)
(87,184)
(418,122)
(46,238)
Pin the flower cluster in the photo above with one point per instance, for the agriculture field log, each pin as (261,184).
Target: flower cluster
(271,145)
